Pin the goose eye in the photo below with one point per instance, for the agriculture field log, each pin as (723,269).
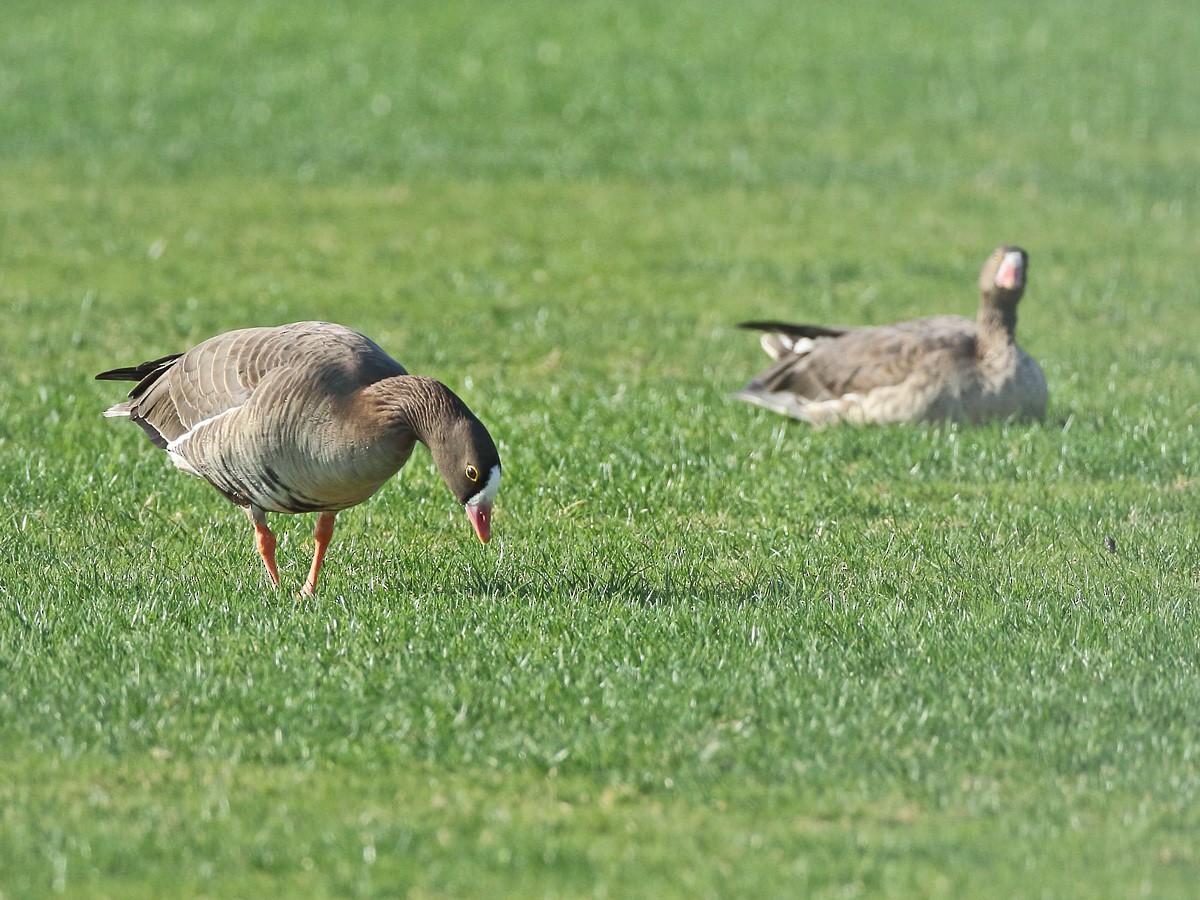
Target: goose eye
(472,473)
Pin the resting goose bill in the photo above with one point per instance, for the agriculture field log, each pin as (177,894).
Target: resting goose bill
(307,417)
(943,368)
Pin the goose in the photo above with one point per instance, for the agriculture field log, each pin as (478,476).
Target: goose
(942,368)
(306,417)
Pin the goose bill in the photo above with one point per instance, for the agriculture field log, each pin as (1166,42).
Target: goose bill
(481,519)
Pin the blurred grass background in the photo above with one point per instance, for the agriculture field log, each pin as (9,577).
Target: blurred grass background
(711,653)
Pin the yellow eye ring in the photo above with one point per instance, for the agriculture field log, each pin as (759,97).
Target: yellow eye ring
(472,473)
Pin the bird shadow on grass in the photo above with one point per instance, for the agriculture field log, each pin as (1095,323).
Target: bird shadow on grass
(636,572)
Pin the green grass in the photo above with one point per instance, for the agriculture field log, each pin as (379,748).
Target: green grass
(709,652)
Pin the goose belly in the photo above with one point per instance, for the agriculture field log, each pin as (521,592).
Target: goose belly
(288,473)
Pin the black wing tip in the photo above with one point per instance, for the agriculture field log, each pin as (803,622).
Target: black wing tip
(762,325)
(128,373)
(142,370)
(791,328)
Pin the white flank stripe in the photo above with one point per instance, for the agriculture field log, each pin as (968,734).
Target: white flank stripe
(182,464)
(173,447)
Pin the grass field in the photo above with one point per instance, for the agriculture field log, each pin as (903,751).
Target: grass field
(709,652)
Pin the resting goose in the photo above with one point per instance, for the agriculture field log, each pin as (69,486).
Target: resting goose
(944,368)
(308,417)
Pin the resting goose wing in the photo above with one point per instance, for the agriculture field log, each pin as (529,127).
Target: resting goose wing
(859,360)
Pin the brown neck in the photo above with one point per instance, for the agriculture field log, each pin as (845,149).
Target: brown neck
(411,403)
(994,317)
(996,327)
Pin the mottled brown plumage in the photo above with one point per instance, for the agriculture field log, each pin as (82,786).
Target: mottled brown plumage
(308,417)
(935,369)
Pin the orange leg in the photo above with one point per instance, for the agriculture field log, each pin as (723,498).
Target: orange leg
(323,534)
(264,541)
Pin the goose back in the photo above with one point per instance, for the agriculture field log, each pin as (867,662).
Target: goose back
(271,417)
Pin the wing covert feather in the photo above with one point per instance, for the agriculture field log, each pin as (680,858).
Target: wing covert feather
(863,359)
(221,374)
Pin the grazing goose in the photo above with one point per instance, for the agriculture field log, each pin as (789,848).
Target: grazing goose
(309,417)
(936,369)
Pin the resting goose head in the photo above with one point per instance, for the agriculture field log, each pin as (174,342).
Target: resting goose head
(1002,281)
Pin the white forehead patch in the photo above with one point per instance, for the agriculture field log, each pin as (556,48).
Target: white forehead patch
(1011,271)
(489,490)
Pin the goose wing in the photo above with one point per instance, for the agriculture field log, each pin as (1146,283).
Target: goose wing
(859,360)
(178,393)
